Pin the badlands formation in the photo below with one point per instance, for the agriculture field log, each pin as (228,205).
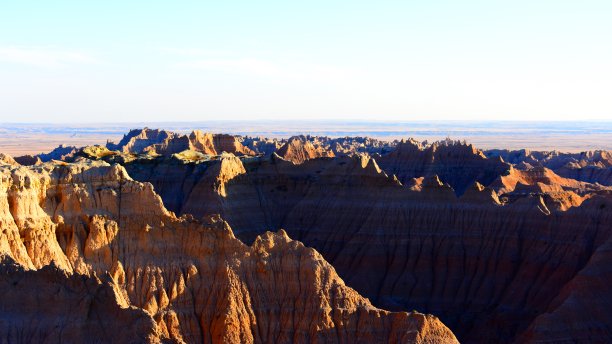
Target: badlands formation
(166,237)
(91,255)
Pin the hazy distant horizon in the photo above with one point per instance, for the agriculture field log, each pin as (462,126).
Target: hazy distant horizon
(293,120)
(571,136)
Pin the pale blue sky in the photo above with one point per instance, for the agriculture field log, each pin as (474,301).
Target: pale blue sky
(67,61)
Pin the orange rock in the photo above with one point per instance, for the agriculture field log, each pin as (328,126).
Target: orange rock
(298,149)
(488,265)
(172,278)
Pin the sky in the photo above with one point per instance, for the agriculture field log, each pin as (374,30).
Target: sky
(126,61)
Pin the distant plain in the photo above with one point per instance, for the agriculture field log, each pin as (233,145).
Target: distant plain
(33,138)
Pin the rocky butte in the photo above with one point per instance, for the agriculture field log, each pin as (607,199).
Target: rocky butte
(186,238)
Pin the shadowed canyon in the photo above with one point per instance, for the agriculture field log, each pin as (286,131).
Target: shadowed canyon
(211,238)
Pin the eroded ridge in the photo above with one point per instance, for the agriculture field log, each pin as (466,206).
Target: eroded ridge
(503,246)
(86,236)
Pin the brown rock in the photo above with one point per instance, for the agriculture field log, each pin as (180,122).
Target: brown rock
(298,149)
(6,159)
(195,280)
(458,164)
(51,306)
(488,267)
(28,160)
(216,144)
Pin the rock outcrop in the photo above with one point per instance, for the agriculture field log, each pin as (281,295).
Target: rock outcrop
(298,149)
(59,153)
(559,193)
(91,253)
(151,140)
(6,159)
(489,267)
(164,142)
(262,145)
(28,160)
(589,166)
(52,306)
(503,247)
(215,144)
(456,163)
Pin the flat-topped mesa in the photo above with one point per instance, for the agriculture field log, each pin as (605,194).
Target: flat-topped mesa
(183,280)
(298,149)
(456,163)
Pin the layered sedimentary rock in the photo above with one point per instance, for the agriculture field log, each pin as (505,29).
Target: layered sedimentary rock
(322,146)
(299,149)
(491,268)
(164,142)
(122,262)
(202,142)
(51,306)
(262,145)
(558,192)
(151,140)
(502,249)
(215,144)
(230,144)
(456,163)
(589,166)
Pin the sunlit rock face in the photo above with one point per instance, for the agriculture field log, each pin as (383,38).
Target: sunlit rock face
(298,149)
(164,142)
(502,246)
(490,262)
(89,254)
(456,163)
(589,166)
